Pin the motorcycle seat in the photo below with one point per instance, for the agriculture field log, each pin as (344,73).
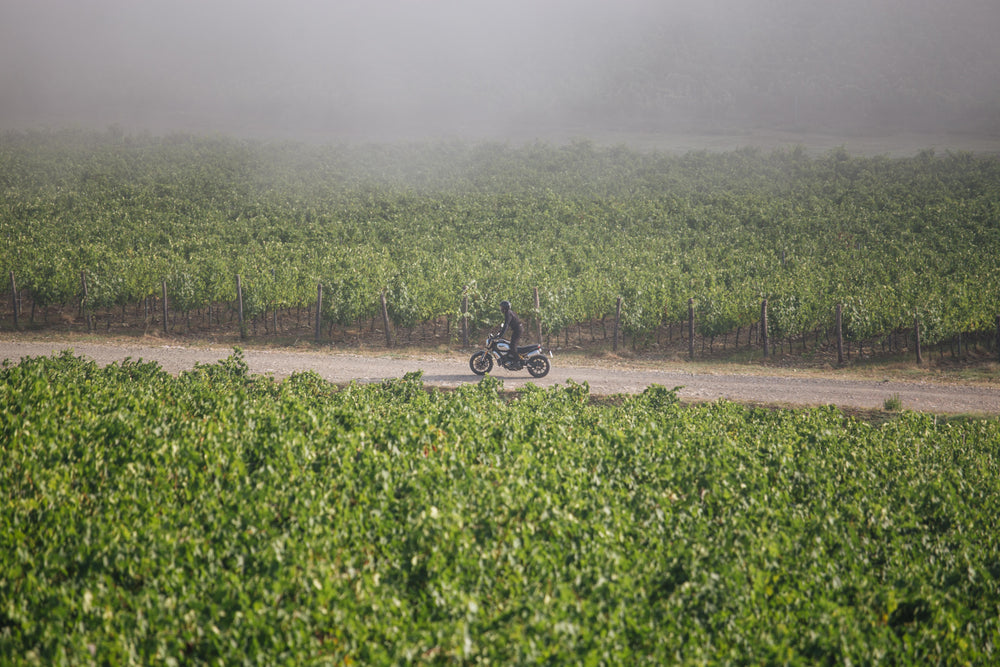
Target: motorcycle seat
(525,349)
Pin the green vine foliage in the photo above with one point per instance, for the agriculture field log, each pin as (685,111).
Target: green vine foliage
(893,239)
(221,517)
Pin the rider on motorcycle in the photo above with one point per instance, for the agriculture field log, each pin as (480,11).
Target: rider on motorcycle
(513,322)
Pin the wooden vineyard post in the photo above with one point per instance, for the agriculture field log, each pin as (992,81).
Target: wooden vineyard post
(13,300)
(840,333)
(763,325)
(239,305)
(385,321)
(165,323)
(538,317)
(274,314)
(465,320)
(916,338)
(691,329)
(319,309)
(83,301)
(618,319)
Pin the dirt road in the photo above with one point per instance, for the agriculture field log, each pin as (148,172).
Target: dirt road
(453,370)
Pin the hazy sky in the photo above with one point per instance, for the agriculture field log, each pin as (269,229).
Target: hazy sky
(443,67)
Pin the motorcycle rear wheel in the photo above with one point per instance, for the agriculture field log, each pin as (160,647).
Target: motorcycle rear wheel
(538,366)
(481,363)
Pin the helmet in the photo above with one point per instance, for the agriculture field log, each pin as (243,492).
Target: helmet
(505,305)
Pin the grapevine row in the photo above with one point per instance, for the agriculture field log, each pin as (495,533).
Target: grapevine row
(221,517)
(892,239)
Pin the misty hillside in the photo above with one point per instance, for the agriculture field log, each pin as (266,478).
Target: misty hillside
(843,66)
(400,68)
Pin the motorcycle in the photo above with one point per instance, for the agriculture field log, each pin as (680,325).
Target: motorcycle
(535,359)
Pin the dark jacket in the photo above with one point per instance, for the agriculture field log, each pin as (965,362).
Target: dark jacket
(513,322)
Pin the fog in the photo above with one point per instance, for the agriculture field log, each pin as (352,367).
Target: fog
(391,69)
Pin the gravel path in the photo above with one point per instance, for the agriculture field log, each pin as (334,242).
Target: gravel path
(454,371)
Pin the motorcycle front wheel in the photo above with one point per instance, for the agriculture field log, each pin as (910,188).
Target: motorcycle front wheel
(538,366)
(481,363)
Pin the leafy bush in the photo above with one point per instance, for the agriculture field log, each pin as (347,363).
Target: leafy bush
(220,517)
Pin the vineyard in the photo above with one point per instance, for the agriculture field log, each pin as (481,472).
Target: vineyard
(221,517)
(103,230)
